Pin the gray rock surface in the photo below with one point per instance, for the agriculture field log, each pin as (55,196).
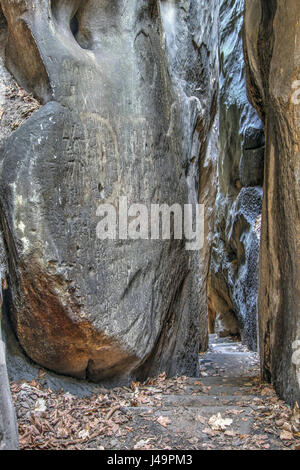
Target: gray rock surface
(8,424)
(121,116)
(233,281)
(272,44)
(191,30)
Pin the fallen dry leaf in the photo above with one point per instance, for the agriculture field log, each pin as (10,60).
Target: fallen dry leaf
(142,445)
(217,423)
(164,421)
(209,432)
(286,436)
(287,427)
(84,434)
(40,406)
(230,433)
(201,419)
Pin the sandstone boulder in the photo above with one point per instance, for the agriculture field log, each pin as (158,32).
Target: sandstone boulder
(119,118)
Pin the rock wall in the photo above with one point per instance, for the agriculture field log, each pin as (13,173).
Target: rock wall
(191,29)
(8,424)
(232,287)
(121,116)
(272,45)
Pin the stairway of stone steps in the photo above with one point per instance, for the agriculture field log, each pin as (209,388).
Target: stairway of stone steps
(227,407)
(223,409)
(225,390)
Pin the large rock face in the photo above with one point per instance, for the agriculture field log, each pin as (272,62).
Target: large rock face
(121,117)
(232,288)
(272,44)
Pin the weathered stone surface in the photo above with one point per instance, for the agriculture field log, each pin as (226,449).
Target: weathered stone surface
(8,427)
(191,30)
(232,288)
(8,424)
(121,117)
(272,45)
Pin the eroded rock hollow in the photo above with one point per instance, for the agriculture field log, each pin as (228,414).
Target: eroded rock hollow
(125,112)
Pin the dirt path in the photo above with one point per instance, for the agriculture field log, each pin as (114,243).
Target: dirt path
(226,408)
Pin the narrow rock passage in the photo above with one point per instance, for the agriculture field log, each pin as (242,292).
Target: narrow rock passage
(229,358)
(226,408)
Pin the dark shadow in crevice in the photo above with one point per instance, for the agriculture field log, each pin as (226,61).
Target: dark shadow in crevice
(66,15)
(3,22)
(74,26)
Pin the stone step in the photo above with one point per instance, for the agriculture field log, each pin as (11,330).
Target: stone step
(200,401)
(231,363)
(244,381)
